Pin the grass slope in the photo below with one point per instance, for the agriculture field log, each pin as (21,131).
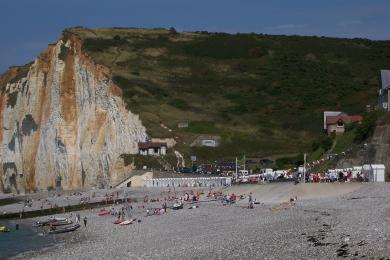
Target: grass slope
(263,94)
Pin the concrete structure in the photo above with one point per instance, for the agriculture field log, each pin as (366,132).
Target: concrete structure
(188,182)
(383,92)
(207,140)
(374,172)
(151,148)
(136,180)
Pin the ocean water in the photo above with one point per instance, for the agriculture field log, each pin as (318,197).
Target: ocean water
(22,240)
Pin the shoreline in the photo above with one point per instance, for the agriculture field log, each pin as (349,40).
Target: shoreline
(66,204)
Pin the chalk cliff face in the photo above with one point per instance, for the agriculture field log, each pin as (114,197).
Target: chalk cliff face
(64,123)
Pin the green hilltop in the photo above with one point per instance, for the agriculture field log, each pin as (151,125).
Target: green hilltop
(263,94)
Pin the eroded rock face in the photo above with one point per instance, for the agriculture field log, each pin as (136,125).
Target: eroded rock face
(64,124)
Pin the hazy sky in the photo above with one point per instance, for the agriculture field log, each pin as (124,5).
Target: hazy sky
(27,26)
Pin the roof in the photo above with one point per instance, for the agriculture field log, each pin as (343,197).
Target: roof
(385,79)
(330,113)
(147,145)
(330,120)
(209,137)
(378,166)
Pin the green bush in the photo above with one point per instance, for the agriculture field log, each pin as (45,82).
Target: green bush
(288,162)
(64,51)
(325,142)
(101,44)
(12,98)
(179,103)
(367,127)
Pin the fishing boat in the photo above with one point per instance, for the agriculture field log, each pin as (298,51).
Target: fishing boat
(64,229)
(4,229)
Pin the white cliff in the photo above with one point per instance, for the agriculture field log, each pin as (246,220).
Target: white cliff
(68,125)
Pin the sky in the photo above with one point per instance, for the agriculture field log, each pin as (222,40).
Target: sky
(27,26)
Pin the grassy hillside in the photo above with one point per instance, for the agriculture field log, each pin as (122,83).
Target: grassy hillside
(263,94)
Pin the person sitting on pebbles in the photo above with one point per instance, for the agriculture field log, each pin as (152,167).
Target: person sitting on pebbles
(250,201)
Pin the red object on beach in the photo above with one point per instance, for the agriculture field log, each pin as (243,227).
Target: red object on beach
(103,212)
(117,221)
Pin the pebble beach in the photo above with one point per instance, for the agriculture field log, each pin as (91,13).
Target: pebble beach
(353,224)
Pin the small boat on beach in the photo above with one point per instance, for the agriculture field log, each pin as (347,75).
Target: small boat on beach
(4,229)
(118,221)
(178,205)
(64,229)
(127,222)
(62,222)
(53,222)
(103,212)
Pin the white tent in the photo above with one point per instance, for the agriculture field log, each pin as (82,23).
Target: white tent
(374,172)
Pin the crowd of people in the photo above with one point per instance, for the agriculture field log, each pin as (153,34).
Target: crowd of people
(341,176)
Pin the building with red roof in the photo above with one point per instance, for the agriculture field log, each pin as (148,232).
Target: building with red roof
(336,124)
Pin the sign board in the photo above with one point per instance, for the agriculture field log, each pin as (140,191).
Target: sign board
(193,158)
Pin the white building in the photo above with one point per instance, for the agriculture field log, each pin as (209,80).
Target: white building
(383,92)
(151,148)
(374,172)
(207,140)
(188,182)
(330,113)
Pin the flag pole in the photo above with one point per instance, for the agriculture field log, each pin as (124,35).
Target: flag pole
(244,162)
(236,170)
(304,168)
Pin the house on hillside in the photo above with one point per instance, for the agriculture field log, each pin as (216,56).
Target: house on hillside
(336,124)
(331,113)
(207,140)
(384,93)
(152,148)
(183,124)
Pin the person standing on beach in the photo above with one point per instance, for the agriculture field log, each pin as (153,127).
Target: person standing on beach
(250,201)
(85,221)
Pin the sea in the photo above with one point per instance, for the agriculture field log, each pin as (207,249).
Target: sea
(25,239)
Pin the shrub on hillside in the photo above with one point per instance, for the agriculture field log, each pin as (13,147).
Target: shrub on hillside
(286,162)
(325,142)
(367,127)
(179,103)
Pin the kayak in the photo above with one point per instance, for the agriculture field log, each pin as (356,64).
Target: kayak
(4,229)
(64,229)
(103,212)
(126,222)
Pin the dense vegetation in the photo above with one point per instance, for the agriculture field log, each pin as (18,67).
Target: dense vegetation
(263,94)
